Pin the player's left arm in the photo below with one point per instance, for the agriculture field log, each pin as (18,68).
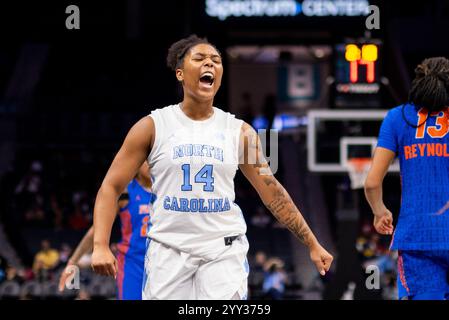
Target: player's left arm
(383,218)
(255,168)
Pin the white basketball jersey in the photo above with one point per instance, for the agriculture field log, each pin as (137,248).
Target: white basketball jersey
(193,164)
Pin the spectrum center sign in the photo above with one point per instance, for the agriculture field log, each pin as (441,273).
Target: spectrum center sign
(223,9)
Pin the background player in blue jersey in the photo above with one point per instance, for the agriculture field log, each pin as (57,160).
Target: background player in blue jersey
(134,217)
(417,132)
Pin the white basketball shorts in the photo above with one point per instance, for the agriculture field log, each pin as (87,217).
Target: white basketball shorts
(171,274)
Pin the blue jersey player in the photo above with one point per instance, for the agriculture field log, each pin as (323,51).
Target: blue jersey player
(134,217)
(417,132)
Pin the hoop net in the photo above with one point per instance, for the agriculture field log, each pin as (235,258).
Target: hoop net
(358,169)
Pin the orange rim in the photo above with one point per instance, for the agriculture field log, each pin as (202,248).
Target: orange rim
(358,163)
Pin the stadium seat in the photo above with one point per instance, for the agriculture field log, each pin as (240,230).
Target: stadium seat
(50,290)
(32,289)
(9,290)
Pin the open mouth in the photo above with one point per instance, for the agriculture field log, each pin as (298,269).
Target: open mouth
(207,78)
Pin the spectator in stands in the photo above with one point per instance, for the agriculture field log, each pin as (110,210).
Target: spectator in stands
(386,261)
(30,186)
(31,182)
(16,275)
(259,261)
(275,279)
(78,219)
(58,220)
(45,260)
(373,252)
(64,253)
(367,243)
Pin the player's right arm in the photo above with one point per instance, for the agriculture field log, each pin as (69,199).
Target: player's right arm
(132,154)
(383,218)
(387,147)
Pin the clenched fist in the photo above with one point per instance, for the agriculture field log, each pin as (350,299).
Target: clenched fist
(321,258)
(104,262)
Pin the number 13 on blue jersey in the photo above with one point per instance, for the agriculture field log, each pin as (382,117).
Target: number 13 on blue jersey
(203,176)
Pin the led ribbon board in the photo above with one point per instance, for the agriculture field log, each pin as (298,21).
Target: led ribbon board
(224,9)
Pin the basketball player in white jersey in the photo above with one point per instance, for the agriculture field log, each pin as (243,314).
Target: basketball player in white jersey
(197,245)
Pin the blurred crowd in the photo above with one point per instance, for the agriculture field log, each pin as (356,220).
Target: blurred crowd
(40,281)
(48,195)
(269,277)
(52,196)
(273,277)
(40,201)
(374,251)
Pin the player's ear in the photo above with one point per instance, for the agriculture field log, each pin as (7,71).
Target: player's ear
(180,75)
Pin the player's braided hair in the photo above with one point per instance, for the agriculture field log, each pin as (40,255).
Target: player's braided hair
(430,88)
(179,49)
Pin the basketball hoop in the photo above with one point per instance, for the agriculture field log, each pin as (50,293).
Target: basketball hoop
(358,169)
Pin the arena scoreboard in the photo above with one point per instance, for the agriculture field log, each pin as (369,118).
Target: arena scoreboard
(358,73)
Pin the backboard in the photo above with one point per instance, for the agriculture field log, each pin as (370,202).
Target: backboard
(334,136)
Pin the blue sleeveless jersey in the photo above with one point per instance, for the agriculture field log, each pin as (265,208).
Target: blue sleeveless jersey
(135,224)
(423,153)
(134,220)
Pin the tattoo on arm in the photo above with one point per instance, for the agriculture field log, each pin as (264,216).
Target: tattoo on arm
(283,208)
(280,205)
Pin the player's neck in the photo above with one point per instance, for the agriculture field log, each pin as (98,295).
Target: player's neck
(197,110)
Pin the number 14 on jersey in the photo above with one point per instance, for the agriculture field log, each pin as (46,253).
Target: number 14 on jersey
(203,176)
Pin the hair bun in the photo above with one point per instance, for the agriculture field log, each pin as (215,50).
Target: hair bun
(430,88)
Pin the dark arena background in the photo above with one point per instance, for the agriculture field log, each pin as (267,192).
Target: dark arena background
(320,72)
